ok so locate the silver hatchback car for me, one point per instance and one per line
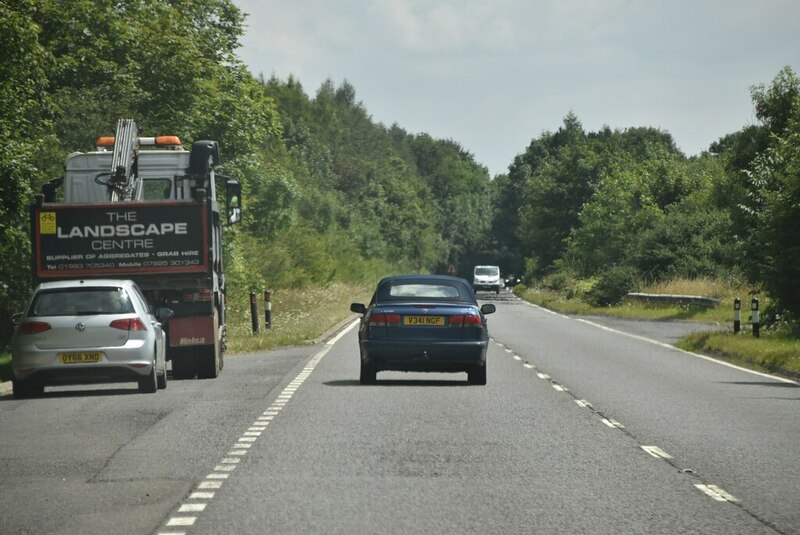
(88, 331)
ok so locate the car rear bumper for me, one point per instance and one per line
(84, 374)
(116, 365)
(449, 356)
(486, 286)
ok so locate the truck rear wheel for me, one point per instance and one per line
(183, 365)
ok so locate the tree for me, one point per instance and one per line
(25, 123)
(772, 184)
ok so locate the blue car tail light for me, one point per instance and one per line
(384, 320)
(467, 320)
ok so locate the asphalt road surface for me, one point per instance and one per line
(583, 427)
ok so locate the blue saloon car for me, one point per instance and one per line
(429, 323)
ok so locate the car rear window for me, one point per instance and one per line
(423, 290)
(487, 270)
(81, 302)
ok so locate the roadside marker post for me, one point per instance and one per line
(268, 309)
(254, 311)
(755, 317)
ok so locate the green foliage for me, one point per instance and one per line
(25, 123)
(612, 285)
(775, 244)
(690, 241)
(330, 195)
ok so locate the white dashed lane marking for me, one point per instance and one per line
(657, 452)
(713, 491)
(717, 493)
(188, 512)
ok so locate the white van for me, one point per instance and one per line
(487, 278)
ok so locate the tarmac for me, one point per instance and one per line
(5, 388)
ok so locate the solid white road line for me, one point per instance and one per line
(240, 447)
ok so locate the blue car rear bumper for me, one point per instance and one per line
(446, 356)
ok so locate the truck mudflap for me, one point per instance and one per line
(195, 347)
(192, 331)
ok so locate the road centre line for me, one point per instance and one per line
(713, 491)
(227, 465)
(657, 452)
(612, 423)
(717, 493)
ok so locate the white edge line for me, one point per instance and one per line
(343, 332)
(212, 480)
(668, 346)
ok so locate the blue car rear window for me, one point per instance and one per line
(423, 290)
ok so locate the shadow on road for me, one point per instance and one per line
(398, 382)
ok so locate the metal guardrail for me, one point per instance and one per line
(692, 300)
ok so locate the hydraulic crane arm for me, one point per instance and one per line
(124, 177)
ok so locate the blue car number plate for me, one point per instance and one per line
(424, 321)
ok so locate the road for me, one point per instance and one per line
(582, 428)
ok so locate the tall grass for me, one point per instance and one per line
(772, 352)
(299, 315)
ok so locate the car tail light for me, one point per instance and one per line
(469, 320)
(384, 320)
(128, 324)
(34, 327)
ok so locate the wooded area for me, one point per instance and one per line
(332, 195)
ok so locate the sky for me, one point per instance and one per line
(493, 75)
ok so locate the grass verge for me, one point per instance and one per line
(772, 352)
(298, 316)
(628, 309)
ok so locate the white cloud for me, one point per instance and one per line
(493, 75)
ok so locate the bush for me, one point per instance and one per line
(612, 286)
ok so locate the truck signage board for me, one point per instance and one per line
(110, 239)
